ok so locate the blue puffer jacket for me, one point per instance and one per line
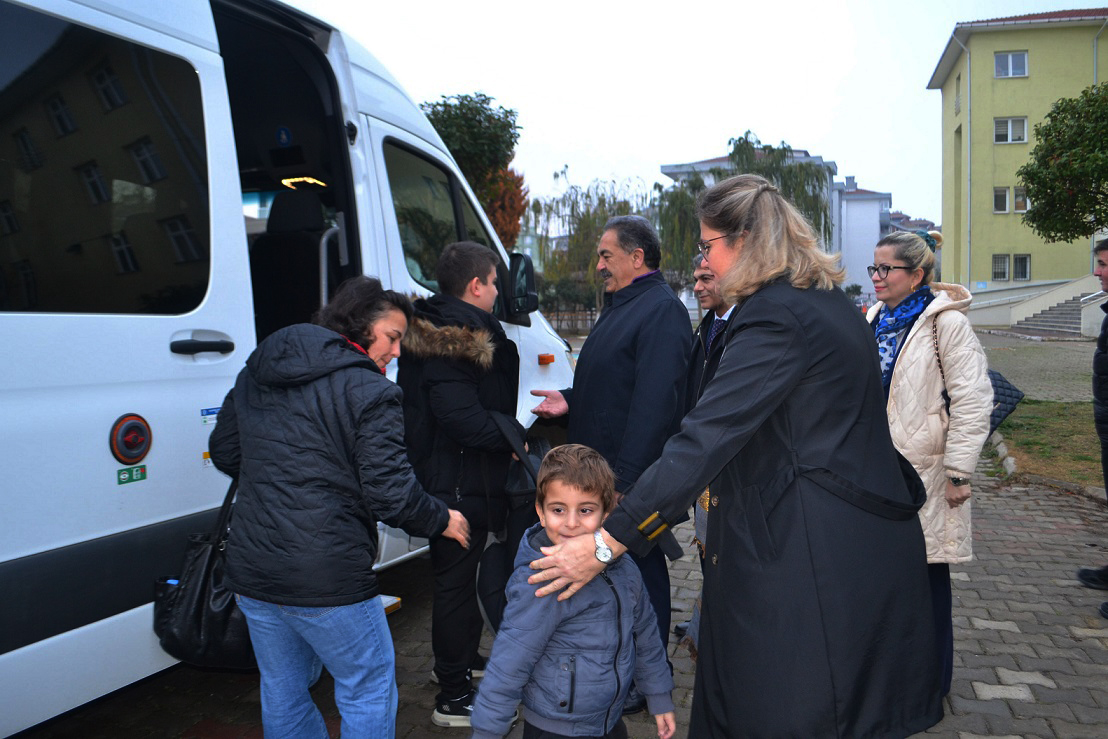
(572, 661)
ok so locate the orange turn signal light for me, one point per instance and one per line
(546, 359)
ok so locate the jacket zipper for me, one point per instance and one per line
(619, 644)
(572, 681)
(461, 471)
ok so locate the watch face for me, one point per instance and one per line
(603, 551)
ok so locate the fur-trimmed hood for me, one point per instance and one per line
(427, 340)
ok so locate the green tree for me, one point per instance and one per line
(1067, 174)
(482, 139)
(806, 184)
(674, 210)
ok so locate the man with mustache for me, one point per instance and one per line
(629, 386)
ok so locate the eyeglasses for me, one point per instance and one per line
(882, 271)
(704, 245)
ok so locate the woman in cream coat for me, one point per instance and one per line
(938, 413)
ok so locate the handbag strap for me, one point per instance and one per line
(220, 533)
(935, 341)
(512, 436)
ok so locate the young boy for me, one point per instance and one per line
(572, 662)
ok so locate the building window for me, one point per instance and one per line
(108, 87)
(1019, 200)
(60, 115)
(8, 222)
(30, 156)
(148, 161)
(1000, 200)
(95, 185)
(1009, 130)
(1010, 64)
(1000, 267)
(957, 94)
(1021, 267)
(125, 261)
(183, 238)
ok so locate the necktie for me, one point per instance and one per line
(713, 332)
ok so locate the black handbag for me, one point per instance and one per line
(196, 617)
(1006, 396)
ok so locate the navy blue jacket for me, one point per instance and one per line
(628, 389)
(315, 434)
(572, 662)
(1100, 376)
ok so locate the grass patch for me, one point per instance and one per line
(1055, 440)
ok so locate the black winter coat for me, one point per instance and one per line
(816, 617)
(628, 389)
(314, 432)
(702, 364)
(458, 370)
(1100, 377)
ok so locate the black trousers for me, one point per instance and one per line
(1101, 424)
(456, 621)
(941, 605)
(655, 576)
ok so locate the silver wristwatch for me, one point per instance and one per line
(603, 551)
(958, 481)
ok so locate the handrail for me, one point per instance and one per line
(1098, 295)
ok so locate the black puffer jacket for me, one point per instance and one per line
(458, 371)
(315, 433)
(1100, 377)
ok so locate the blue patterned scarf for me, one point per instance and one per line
(893, 324)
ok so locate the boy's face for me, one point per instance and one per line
(569, 511)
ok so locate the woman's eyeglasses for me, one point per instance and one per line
(704, 245)
(882, 271)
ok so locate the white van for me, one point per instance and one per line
(177, 180)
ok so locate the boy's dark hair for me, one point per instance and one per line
(460, 262)
(1101, 245)
(580, 466)
(358, 304)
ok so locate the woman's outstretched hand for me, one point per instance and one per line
(570, 565)
(457, 529)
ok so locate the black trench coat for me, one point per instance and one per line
(816, 611)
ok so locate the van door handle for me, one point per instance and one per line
(195, 346)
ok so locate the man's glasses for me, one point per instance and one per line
(882, 271)
(704, 245)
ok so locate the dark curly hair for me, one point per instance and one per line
(357, 305)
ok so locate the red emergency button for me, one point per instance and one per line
(130, 438)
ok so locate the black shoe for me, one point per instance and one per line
(681, 629)
(635, 703)
(454, 713)
(1091, 578)
(1104, 609)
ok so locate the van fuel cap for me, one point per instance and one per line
(130, 438)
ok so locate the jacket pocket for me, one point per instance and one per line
(566, 684)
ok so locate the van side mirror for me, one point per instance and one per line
(522, 298)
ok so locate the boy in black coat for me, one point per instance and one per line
(459, 370)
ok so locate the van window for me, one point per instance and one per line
(103, 172)
(423, 194)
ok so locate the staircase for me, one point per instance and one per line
(1061, 318)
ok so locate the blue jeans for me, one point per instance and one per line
(355, 645)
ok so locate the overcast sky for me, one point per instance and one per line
(615, 90)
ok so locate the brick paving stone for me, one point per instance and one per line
(1005, 692)
(1010, 677)
(1028, 727)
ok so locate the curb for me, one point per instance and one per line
(1031, 337)
(1008, 468)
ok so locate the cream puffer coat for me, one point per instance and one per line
(939, 444)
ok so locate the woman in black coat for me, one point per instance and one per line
(314, 432)
(816, 608)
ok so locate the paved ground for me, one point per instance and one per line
(1031, 652)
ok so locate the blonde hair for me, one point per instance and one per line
(911, 248)
(779, 241)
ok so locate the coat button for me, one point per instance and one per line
(715, 559)
(562, 704)
(715, 501)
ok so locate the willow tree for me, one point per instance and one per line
(806, 184)
(569, 227)
(674, 211)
